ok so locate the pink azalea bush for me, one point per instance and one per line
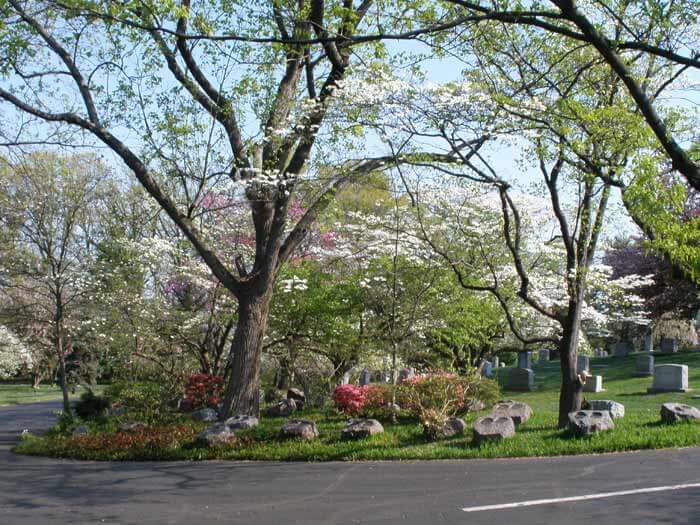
(353, 400)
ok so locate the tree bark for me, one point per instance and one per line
(570, 395)
(242, 393)
(62, 371)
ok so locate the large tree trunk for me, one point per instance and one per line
(243, 389)
(570, 396)
(63, 382)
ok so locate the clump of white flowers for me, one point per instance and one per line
(14, 355)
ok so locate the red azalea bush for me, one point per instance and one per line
(202, 391)
(354, 400)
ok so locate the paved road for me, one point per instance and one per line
(39, 491)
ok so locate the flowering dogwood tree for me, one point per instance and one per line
(14, 355)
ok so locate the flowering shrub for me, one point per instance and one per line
(445, 393)
(350, 399)
(202, 391)
(354, 400)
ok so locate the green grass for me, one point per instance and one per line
(17, 393)
(639, 429)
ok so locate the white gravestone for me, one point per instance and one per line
(495, 361)
(648, 343)
(670, 378)
(365, 377)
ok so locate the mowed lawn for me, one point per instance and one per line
(16, 393)
(641, 428)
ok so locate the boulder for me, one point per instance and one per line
(361, 428)
(587, 422)
(299, 428)
(283, 408)
(674, 412)
(492, 428)
(132, 426)
(216, 435)
(616, 409)
(241, 422)
(454, 426)
(79, 431)
(205, 414)
(518, 412)
(297, 395)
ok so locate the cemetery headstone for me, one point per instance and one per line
(622, 348)
(670, 378)
(519, 380)
(582, 363)
(645, 366)
(495, 361)
(593, 384)
(365, 377)
(524, 360)
(543, 356)
(487, 370)
(648, 343)
(669, 345)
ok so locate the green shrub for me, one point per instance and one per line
(91, 406)
(433, 398)
(144, 400)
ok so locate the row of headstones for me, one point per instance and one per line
(379, 376)
(668, 345)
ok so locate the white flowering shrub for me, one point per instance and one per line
(14, 355)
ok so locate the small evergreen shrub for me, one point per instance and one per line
(91, 406)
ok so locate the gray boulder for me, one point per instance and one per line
(216, 435)
(674, 412)
(205, 414)
(361, 428)
(299, 428)
(132, 426)
(241, 422)
(297, 395)
(283, 408)
(587, 422)
(616, 409)
(518, 412)
(492, 428)
(454, 426)
(79, 431)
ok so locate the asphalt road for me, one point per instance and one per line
(38, 490)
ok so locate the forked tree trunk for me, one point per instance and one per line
(242, 391)
(570, 396)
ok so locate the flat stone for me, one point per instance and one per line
(454, 426)
(299, 428)
(674, 412)
(582, 363)
(669, 345)
(132, 426)
(283, 408)
(616, 409)
(518, 412)
(216, 435)
(670, 378)
(241, 422)
(361, 428)
(623, 348)
(587, 422)
(205, 414)
(492, 428)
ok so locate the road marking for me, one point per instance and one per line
(580, 498)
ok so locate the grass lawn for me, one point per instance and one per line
(16, 393)
(639, 429)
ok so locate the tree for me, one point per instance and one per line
(191, 127)
(50, 204)
(14, 355)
